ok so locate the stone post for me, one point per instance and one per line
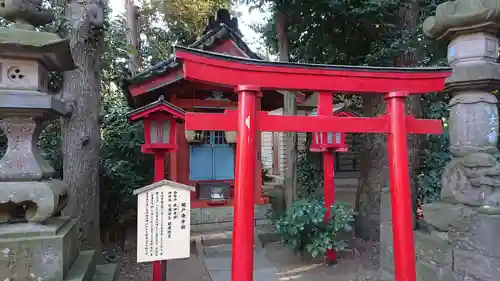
(35, 243)
(460, 240)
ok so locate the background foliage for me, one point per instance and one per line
(360, 32)
(363, 32)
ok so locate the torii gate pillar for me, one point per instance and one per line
(243, 232)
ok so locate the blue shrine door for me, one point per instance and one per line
(213, 159)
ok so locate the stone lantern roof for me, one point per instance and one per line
(21, 41)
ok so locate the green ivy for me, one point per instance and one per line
(304, 228)
(435, 153)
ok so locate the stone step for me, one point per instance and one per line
(218, 238)
(221, 250)
(219, 268)
(105, 272)
(217, 249)
(83, 268)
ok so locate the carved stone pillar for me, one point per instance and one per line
(22, 159)
(473, 176)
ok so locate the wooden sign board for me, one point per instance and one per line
(163, 221)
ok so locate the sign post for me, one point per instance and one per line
(160, 120)
(163, 221)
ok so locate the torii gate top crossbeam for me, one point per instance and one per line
(203, 66)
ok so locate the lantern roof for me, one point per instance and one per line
(162, 183)
(21, 40)
(161, 105)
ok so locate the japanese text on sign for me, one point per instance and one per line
(163, 224)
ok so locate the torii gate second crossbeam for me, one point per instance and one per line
(249, 77)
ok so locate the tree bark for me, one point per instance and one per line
(80, 132)
(373, 175)
(408, 21)
(290, 108)
(374, 168)
(132, 12)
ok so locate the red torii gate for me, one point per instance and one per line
(249, 77)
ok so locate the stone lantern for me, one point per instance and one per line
(463, 226)
(36, 243)
(26, 57)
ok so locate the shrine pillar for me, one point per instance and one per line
(243, 230)
(460, 240)
(258, 155)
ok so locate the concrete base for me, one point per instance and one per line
(216, 218)
(48, 252)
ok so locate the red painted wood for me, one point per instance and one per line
(282, 123)
(182, 155)
(325, 108)
(193, 103)
(202, 68)
(319, 141)
(161, 113)
(159, 267)
(258, 160)
(230, 48)
(244, 197)
(399, 179)
(211, 69)
(157, 113)
(329, 192)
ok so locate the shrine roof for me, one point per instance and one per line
(205, 42)
(216, 33)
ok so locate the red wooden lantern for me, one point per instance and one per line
(322, 141)
(160, 118)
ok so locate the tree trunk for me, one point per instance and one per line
(132, 12)
(80, 132)
(374, 168)
(290, 108)
(408, 21)
(373, 174)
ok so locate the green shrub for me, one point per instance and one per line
(309, 175)
(304, 229)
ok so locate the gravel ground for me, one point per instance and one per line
(360, 264)
(191, 269)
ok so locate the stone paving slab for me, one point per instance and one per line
(224, 275)
(224, 263)
(219, 268)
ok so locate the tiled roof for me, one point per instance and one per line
(208, 41)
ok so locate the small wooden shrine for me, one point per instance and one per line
(204, 159)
